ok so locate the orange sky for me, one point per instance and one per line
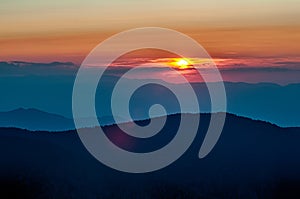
(66, 31)
(220, 43)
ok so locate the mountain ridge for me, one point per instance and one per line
(265, 101)
(26, 118)
(250, 158)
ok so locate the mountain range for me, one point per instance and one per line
(33, 119)
(53, 94)
(252, 159)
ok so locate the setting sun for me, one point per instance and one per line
(182, 64)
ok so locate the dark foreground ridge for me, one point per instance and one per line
(252, 159)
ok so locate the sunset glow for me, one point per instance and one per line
(234, 39)
(182, 64)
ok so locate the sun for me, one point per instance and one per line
(182, 64)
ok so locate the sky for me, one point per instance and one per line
(43, 43)
(251, 34)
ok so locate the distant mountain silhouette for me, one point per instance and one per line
(33, 119)
(252, 159)
(37, 120)
(53, 94)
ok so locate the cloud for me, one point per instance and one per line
(259, 69)
(277, 70)
(295, 64)
(20, 68)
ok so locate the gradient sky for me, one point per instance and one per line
(252, 32)
(250, 41)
